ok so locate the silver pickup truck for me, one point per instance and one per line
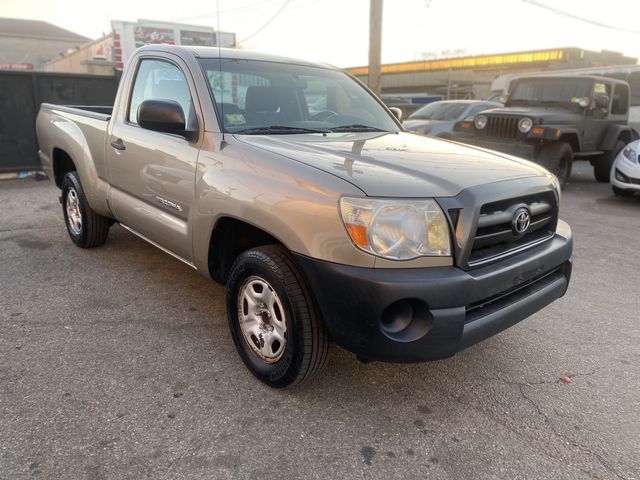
(293, 185)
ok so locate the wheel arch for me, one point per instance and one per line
(62, 163)
(571, 137)
(230, 236)
(613, 134)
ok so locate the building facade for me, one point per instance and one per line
(111, 52)
(471, 76)
(29, 44)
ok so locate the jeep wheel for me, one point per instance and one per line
(273, 321)
(86, 228)
(557, 157)
(604, 163)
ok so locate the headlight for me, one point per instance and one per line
(396, 229)
(630, 154)
(525, 124)
(480, 122)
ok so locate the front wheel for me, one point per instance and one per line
(273, 321)
(86, 228)
(557, 157)
(604, 163)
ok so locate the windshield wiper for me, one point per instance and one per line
(279, 129)
(356, 127)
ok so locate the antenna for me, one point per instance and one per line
(220, 68)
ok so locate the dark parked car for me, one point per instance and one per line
(556, 119)
(437, 119)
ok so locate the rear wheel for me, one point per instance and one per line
(86, 228)
(604, 163)
(273, 320)
(557, 157)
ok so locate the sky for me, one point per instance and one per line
(336, 31)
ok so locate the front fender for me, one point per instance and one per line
(295, 203)
(568, 131)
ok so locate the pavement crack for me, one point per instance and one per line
(522, 386)
(564, 437)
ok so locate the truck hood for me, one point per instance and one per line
(397, 164)
(549, 114)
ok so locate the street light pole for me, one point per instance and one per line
(375, 45)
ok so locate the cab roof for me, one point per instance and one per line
(570, 77)
(230, 53)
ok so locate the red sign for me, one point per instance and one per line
(16, 66)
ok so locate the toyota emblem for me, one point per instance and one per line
(521, 221)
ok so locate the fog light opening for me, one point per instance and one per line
(621, 177)
(406, 320)
(397, 316)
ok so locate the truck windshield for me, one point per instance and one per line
(261, 97)
(552, 90)
(439, 111)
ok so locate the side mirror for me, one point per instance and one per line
(600, 100)
(396, 113)
(163, 116)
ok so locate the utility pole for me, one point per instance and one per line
(375, 45)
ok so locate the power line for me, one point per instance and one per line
(581, 19)
(240, 9)
(268, 22)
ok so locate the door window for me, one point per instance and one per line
(634, 83)
(600, 90)
(620, 102)
(160, 80)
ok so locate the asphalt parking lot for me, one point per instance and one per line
(117, 363)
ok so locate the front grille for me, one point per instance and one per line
(500, 126)
(495, 237)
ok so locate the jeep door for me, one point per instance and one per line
(596, 118)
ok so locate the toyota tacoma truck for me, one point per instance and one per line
(295, 187)
(555, 119)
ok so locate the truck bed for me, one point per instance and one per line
(99, 112)
(80, 131)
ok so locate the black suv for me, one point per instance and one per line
(556, 119)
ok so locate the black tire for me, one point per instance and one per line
(93, 229)
(621, 192)
(307, 341)
(604, 163)
(557, 157)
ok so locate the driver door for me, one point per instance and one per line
(152, 173)
(596, 119)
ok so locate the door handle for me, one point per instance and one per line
(118, 144)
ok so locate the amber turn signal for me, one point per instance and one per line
(358, 234)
